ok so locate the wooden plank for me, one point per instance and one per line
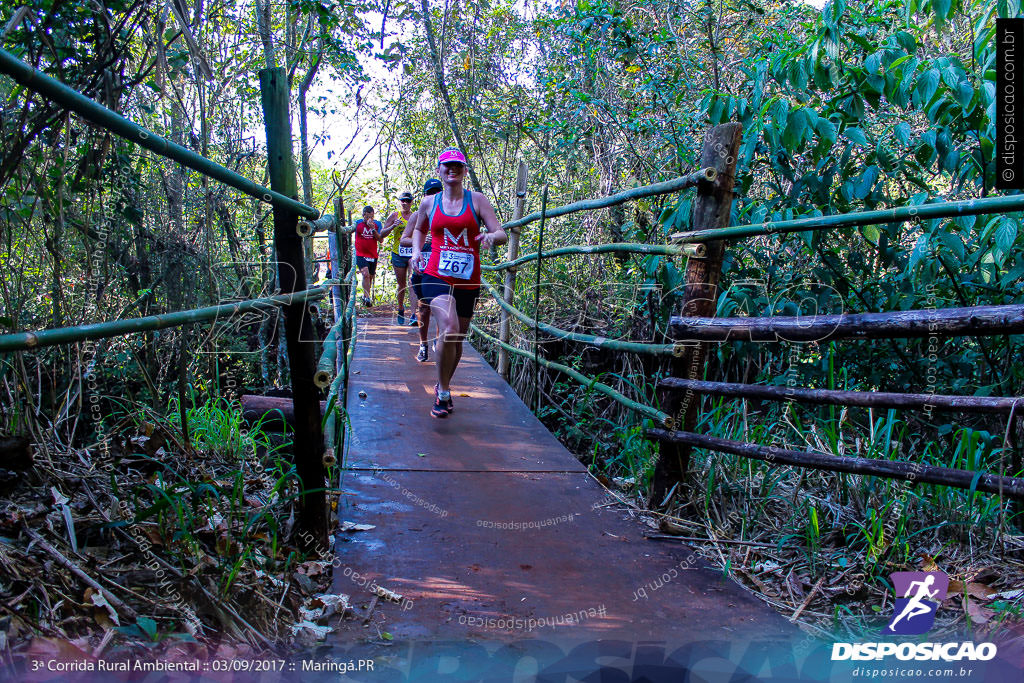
(942, 322)
(866, 399)
(1010, 487)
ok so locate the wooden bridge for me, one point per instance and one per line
(491, 530)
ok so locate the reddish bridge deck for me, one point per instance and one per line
(493, 532)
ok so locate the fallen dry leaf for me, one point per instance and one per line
(352, 526)
(308, 633)
(975, 590)
(333, 603)
(312, 567)
(99, 600)
(977, 613)
(388, 594)
(53, 649)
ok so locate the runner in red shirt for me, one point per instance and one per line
(367, 236)
(451, 278)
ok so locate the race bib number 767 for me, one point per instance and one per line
(458, 264)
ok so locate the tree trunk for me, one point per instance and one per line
(263, 25)
(435, 59)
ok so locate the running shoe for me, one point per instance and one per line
(448, 402)
(440, 409)
(413, 322)
(401, 318)
(422, 355)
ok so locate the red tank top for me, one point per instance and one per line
(366, 239)
(455, 251)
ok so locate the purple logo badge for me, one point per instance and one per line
(917, 597)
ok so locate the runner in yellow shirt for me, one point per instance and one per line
(393, 228)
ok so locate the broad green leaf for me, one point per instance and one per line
(826, 130)
(856, 135)
(147, 626)
(1006, 235)
(862, 186)
(952, 243)
(951, 75)
(919, 252)
(964, 94)
(780, 112)
(796, 127)
(873, 63)
(902, 132)
(927, 84)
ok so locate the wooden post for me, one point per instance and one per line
(711, 209)
(299, 331)
(510, 274)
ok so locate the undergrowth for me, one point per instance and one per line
(194, 536)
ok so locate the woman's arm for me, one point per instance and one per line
(495, 234)
(418, 234)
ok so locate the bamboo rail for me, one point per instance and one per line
(967, 207)
(331, 420)
(692, 250)
(326, 368)
(1011, 487)
(592, 340)
(653, 413)
(338, 393)
(20, 341)
(307, 227)
(865, 399)
(946, 322)
(674, 185)
(96, 113)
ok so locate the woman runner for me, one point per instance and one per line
(431, 187)
(394, 225)
(451, 278)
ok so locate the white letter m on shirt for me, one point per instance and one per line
(462, 238)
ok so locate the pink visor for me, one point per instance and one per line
(451, 155)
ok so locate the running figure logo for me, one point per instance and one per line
(914, 612)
